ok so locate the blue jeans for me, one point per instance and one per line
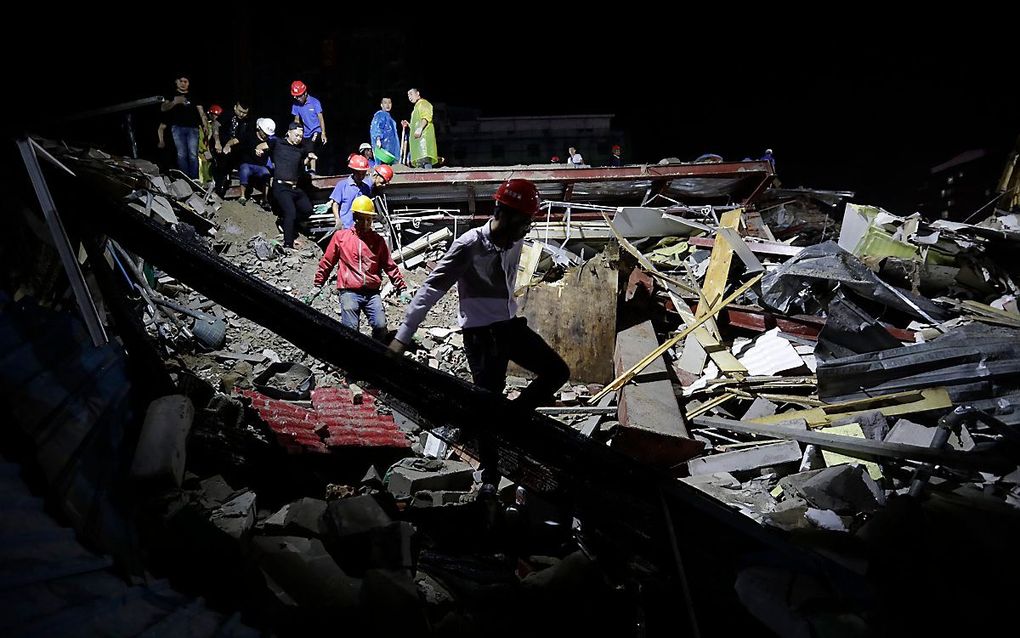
(186, 142)
(246, 171)
(352, 302)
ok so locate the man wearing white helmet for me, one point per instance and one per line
(254, 166)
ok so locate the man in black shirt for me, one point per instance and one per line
(288, 166)
(183, 113)
(232, 133)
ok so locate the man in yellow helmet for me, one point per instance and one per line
(361, 256)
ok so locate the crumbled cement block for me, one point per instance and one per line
(652, 429)
(826, 519)
(907, 432)
(235, 517)
(306, 572)
(844, 489)
(303, 517)
(214, 491)
(160, 454)
(352, 516)
(760, 407)
(747, 459)
(410, 476)
(391, 546)
(180, 189)
(437, 498)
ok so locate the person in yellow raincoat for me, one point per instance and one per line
(422, 141)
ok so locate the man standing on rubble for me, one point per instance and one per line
(307, 111)
(183, 113)
(423, 131)
(288, 166)
(345, 192)
(483, 263)
(360, 255)
(383, 130)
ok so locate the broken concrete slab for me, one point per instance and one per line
(303, 517)
(306, 572)
(652, 428)
(843, 489)
(387, 590)
(352, 516)
(438, 498)
(826, 519)
(390, 546)
(235, 517)
(760, 407)
(910, 433)
(750, 499)
(409, 476)
(160, 454)
(181, 189)
(788, 515)
(747, 459)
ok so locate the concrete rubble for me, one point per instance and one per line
(815, 364)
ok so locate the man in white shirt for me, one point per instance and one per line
(483, 263)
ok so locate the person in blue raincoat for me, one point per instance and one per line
(383, 131)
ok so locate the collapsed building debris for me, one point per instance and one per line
(766, 380)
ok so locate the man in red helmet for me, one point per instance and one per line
(381, 176)
(347, 190)
(483, 263)
(307, 111)
(614, 157)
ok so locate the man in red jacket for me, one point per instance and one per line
(361, 256)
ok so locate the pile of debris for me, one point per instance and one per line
(806, 381)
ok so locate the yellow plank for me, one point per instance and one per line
(835, 458)
(897, 404)
(719, 264)
(625, 378)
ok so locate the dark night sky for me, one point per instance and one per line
(862, 110)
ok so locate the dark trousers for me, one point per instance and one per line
(490, 349)
(294, 206)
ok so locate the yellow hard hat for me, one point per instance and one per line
(363, 205)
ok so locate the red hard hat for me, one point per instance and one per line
(357, 163)
(298, 88)
(216, 109)
(519, 194)
(384, 172)
(554, 159)
(616, 147)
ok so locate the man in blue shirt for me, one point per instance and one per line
(307, 111)
(346, 191)
(383, 130)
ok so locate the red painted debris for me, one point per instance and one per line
(333, 422)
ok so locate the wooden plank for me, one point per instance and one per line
(897, 404)
(777, 249)
(577, 317)
(710, 342)
(848, 445)
(719, 263)
(625, 378)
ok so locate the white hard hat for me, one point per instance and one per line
(365, 146)
(266, 125)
